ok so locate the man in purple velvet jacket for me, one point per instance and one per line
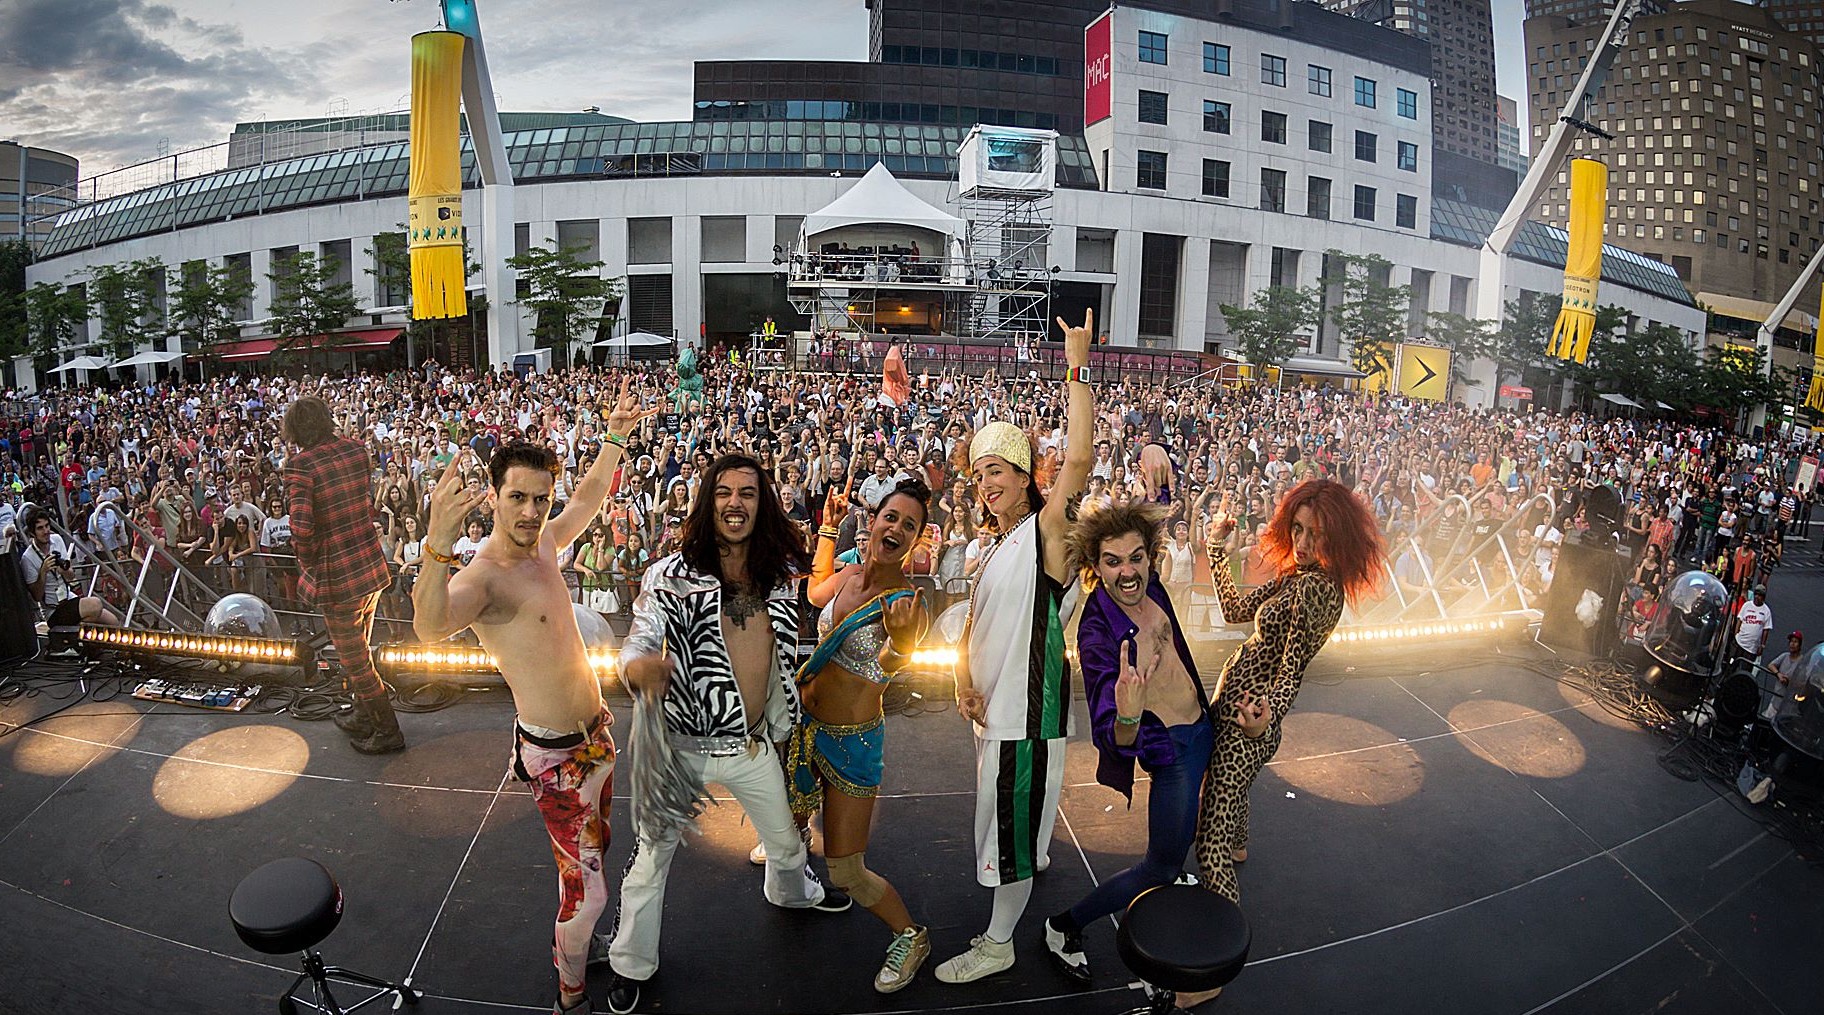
(1145, 704)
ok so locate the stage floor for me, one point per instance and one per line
(1478, 840)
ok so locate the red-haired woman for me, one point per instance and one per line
(1323, 547)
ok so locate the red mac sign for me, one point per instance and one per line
(1098, 69)
(1525, 394)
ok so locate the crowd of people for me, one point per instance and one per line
(198, 467)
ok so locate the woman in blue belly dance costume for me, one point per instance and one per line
(871, 623)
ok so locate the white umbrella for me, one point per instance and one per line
(81, 363)
(148, 359)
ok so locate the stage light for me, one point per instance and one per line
(1431, 631)
(218, 648)
(934, 659)
(456, 660)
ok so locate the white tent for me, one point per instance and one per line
(635, 340)
(148, 359)
(81, 363)
(880, 199)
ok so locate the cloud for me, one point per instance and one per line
(108, 80)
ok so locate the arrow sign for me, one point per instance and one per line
(1429, 372)
(1422, 379)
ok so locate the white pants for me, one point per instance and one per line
(758, 783)
(1017, 784)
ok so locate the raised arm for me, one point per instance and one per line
(1079, 452)
(589, 494)
(1236, 607)
(826, 577)
(442, 605)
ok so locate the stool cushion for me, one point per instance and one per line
(286, 906)
(1184, 938)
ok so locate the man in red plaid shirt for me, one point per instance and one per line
(340, 565)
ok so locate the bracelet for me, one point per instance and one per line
(830, 532)
(1078, 375)
(441, 558)
(618, 440)
(1127, 720)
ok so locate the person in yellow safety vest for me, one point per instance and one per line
(769, 330)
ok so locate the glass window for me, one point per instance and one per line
(1152, 106)
(1317, 197)
(1215, 58)
(1273, 127)
(1272, 70)
(1152, 47)
(1366, 145)
(1150, 170)
(1406, 211)
(1215, 178)
(1318, 80)
(1317, 135)
(1364, 92)
(1408, 103)
(1215, 117)
(1409, 156)
(1272, 190)
(1364, 203)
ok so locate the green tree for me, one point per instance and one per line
(391, 260)
(1267, 329)
(1526, 327)
(1730, 379)
(308, 302)
(205, 305)
(54, 313)
(1467, 339)
(15, 255)
(564, 294)
(1652, 364)
(121, 298)
(1372, 315)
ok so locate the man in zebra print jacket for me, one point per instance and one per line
(715, 638)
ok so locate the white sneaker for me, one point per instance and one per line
(908, 951)
(984, 958)
(757, 855)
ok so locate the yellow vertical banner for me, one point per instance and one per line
(1582, 261)
(1814, 399)
(434, 197)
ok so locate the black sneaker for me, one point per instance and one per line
(623, 994)
(834, 901)
(1066, 950)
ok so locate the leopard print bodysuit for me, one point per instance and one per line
(1293, 616)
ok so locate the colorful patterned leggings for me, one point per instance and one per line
(572, 781)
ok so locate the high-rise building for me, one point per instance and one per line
(1581, 11)
(1715, 164)
(35, 185)
(1462, 37)
(1805, 17)
(1508, 153)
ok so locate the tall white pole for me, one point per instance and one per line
(505, 326)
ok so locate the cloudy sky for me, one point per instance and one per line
(111, 81)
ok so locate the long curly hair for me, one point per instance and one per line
(775, 550)
(1097, 527)
(1350, 546)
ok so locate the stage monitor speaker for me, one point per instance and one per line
(1582, 606)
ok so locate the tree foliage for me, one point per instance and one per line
(205, 305)
(564, 294)
(1467, 339)
(15, 255)
(391, 258)
(54, 314)
(1372, 315)
(122, 301)
(308, 302)
(1267, 329)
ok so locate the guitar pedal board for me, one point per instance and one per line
(215, 697)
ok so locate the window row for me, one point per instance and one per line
(1155, 46)
(1218, 118)
(976, 59)
(1151, 171)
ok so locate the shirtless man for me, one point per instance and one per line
(1145, 704)
(715, 641)
(513, 596)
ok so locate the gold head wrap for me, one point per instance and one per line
(1004, 440)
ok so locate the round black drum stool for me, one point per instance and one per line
(291, 905)
(1182, 937)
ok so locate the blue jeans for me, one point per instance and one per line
(1171, 824)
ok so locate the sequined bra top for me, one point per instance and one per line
(859, 653)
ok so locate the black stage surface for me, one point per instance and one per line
(1482, 839)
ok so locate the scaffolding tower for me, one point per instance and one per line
(1006, 179)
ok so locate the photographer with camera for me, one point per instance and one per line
(45, 565)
